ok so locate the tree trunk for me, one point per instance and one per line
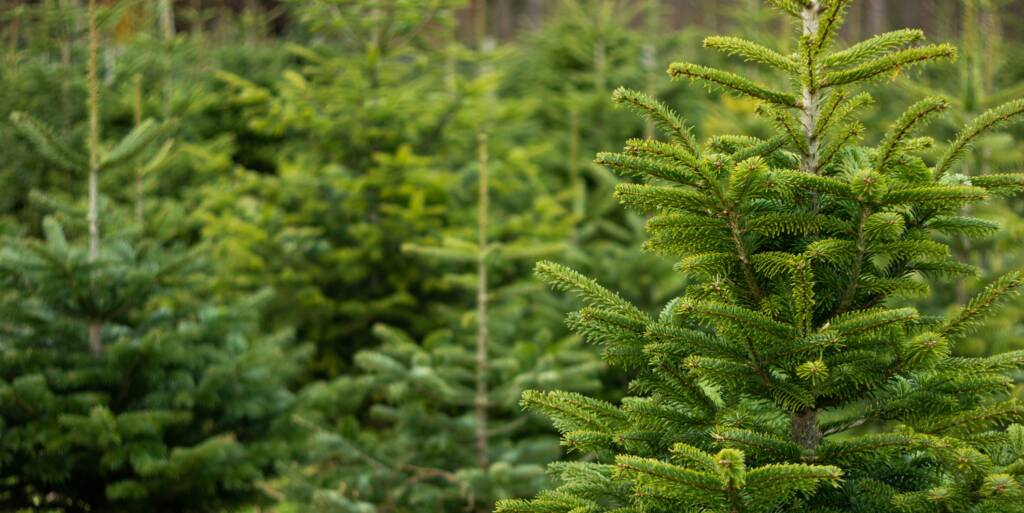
(803, 427)
(481, 402)
(876, 17)
(93, 219)
(166, 15)
(137, 115)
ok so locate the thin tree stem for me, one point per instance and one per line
(811, 98)
(481, 403)
(166, 15)
(137, 114)
(95, 327)
(804, 428)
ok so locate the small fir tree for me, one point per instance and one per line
(783, 380)
(570, 65)
(442, 431)
(120, 389)
(351, 166)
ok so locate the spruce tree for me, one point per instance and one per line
(785, 378)
(121, 389)
(433, 426)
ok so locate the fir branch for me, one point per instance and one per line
(838, 108)
(736, 316)
(850, 291)
(889, 64)
(849, 134)
(560, 277)
(791, 7)
(732, 82)
(663, 117)
(971, 315)
(754, 442)
(1000, 184)
(46, 143)
(945, 194)
(132, 144)
(909, 121)
(761, 149)
(683, 480)
(829, 24)
(873, 48)
(786, 123)
(992, 119)
(862, 322)
(652, 198)
(642, 167)
(751, 51)
(815, 183)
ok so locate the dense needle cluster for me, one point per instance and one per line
(785, 377)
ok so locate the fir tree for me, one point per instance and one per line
(442, 431)
(351, 166)
(783, 379)
(120, 388)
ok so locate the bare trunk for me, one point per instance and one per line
(803, 427)
(479, 8)
(481, 403)
(93, 218)
(504, 20)
(166, 15)
(811, 98)
(535, 12)
(876, 16)
(650, 57)
(137, 112)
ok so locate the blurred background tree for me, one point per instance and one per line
(304, 143)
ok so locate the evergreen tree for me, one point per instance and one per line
(571, 64)
(121, 389)
(352, 166)
(442, 431)
(784, 379)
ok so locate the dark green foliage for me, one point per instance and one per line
(180, 412)
(122, 386)
(433, 425)
(786, 377)
(359, 164)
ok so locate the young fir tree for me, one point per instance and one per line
(443, 431)
(783, 380)
(351, 166)
(120, 389)
(571, 65)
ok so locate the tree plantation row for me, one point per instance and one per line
(377, 256)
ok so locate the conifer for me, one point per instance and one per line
(121, 389)
(443, 431)
(785, 378)
(353, 165)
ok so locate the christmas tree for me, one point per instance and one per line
(984, 78)
(351, 165)
(433, 426)
(784, 379)
(121, 389)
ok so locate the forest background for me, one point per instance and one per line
(317, 224)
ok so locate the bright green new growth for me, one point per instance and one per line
(782, 380)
